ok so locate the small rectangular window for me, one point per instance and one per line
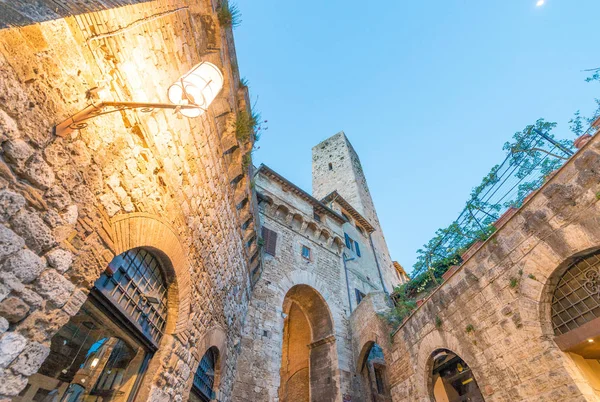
(269, 241)
(330, 166)
(317, 217)
(359, 296)
(306, 252)
(357, 248)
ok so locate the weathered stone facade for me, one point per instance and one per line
(322, 256)
(495, 310)
(128, 179)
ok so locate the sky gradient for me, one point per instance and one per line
(427, 92)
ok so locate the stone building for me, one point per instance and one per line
(322, 256)
(127, 234)
(143, 259)
(519, 320)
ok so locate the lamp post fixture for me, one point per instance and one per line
(190, 95)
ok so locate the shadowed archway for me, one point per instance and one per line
(309, 358)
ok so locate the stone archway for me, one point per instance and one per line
(149, 231)
(372, 368)
(216, 339)
(309, 359)
(451, 378)
(432, 342)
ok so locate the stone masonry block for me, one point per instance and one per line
(55, 287)
(37, 235)
(25, 265)
(13, 309)
(30, 360)
(60, 259)
(10, 242)
(11, 345)
(10, 204)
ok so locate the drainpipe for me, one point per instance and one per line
(377, 263)
(347, 281)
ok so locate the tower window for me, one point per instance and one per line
(330, 166)
(305, 252)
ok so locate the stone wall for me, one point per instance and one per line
(494, 311)
(127, 179)
(290, 215)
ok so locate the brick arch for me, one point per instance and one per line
(215, 337)
(430, 343)
(149, 231)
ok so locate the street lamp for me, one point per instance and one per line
(190, 95)
(200, 86)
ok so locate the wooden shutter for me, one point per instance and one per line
(270, 240)
(348, 244)
(357, 248)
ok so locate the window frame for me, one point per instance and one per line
(302, 248)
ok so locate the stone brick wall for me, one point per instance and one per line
(128, 179)
(495, 310)
(291, 216)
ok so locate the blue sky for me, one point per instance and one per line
(426, 91)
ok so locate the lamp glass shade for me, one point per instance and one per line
(200, 86)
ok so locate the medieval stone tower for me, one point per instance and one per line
(337, 168)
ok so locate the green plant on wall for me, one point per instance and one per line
(470, 328)
(229, 15)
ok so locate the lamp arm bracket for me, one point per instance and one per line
(79, 119)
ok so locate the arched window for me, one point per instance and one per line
(102, 352)
(576, 299)
(204, 379)
(133, 281)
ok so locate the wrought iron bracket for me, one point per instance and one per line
(79, 119)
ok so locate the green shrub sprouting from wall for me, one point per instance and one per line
(229, 15)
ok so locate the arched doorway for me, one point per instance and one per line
(309, 359)
(452, 379)
(373, 371)
(206, 377)
(575, 316)
(102, 353)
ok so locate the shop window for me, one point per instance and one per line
(102, 352)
